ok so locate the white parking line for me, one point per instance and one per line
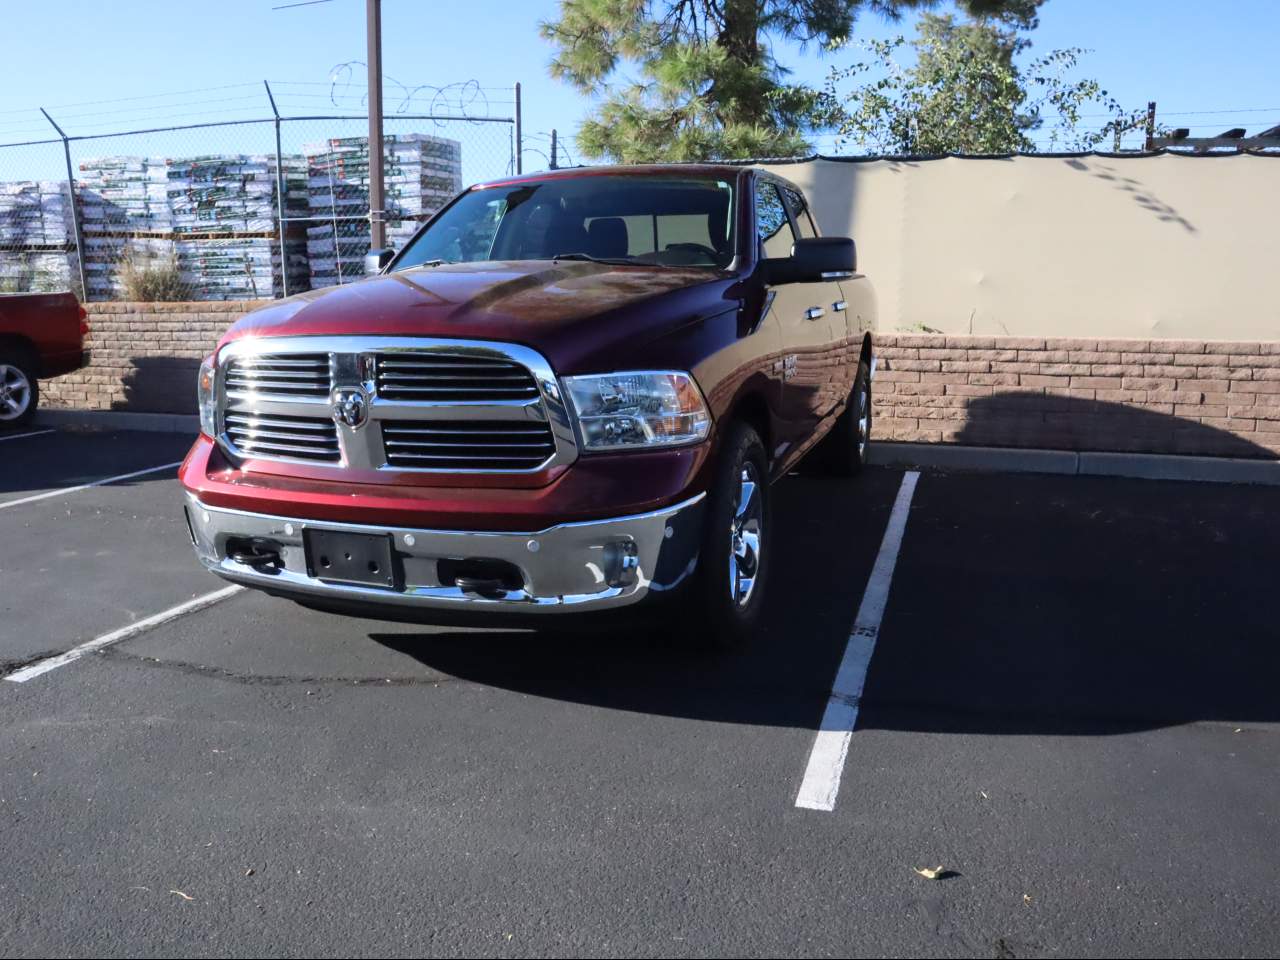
(85, 486)
(19, 436)
(821, 781)
(124, 633)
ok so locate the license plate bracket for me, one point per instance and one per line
(361, 559)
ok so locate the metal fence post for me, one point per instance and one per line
(75, 205)
(377, 198)
(519, 145)
(553, 148)
(280, 195)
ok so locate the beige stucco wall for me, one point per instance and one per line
(1150, 247)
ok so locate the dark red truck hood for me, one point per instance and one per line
(579, 315)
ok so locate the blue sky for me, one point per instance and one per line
(1188, 55)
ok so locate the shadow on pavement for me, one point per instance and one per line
(1021, 604)
(68, 458)
(783, 680)
(1079, 605)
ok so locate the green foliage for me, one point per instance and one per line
(966, 94)
(149, 278)
(708, 85)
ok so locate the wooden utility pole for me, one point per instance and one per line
(377, 214)
(1151, 125)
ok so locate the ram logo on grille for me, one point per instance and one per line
(350, 407)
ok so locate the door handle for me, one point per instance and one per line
(839, 306)
(813, 313)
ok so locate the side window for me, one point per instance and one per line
(772, 226)
(800, 210)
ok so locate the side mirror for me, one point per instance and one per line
(814, 259)
(376, 259)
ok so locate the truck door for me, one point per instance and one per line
(840, 369)
(804, 316)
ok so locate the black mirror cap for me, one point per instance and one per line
(814, 259)
(376, 259)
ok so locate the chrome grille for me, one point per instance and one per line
(297, 438)
(431, 404)
(467, 445)
(447, 377)
(292, 375)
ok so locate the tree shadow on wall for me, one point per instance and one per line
(1142, 195)
(160, 385)
(1029, 419)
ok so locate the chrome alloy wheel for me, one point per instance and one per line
(864, 417)
(745, 536)
(15, 392)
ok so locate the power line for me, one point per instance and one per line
(256, 97)
(1191, 113)
(145, 96)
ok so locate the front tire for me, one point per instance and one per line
(728, 591)
(19, 390)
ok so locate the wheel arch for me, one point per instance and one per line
(752, 408)
(16, 343)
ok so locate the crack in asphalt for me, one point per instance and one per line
(270, 680)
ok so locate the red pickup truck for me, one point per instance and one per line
(41, 336)
(569, 392)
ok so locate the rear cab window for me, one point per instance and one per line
(773, 228)
(800, 212)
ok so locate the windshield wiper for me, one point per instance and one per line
(591, 259)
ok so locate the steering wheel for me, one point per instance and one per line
(710, 252)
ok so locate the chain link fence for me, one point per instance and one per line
(227, 211)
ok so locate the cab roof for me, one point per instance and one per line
(725, 171)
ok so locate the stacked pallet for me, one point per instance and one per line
(212, 218)
(421, 174)
(37, 243)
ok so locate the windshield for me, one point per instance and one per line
(645, 220)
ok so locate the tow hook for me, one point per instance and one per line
(481, 586)
(257, 552)
(481, 577)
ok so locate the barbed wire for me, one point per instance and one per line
(458, 97)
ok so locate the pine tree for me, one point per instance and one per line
(709, 86)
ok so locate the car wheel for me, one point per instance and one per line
(19, 390)
(843, 451)
(728, 591)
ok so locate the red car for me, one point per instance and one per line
(41, 336)
(569, 392)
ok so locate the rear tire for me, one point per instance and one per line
(19, 389)
(728, 591)
(843, 451)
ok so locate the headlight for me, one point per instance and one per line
(207, 397)
(642, 409)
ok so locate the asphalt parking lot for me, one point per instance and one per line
(1071, 707)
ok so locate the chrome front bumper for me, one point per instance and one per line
(568, 567)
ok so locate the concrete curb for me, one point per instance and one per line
(1144, 466)
(118, 420)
